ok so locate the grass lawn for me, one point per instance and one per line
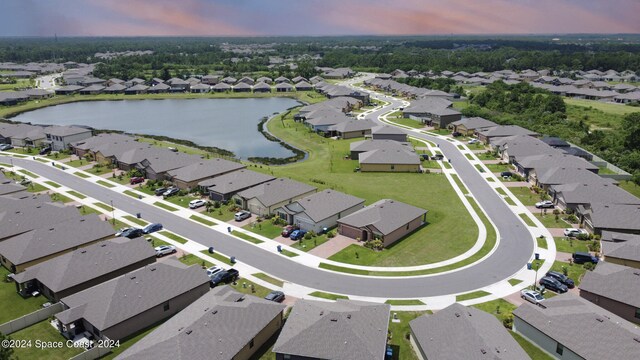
(223, 214)
(84, 210)
(264, 228)
(631, 187)
(174, 237)
(99, 170)
(15, 305)
(325, 295)
(527, 220)
(218, 257)
(597, 114)
(249, 287)
(570, 245)
(128, 342)
(122, 180)
(76, 194)
(269, 279)
(77, 163)
(542, 242)
(35, 188)
(486, 156)
(105, 183)
(525, 195)
(575, 271)
(182, 201)
(499, 167)
(550, 221)
(53, 184)
(103, 206)
(288, 253)
(398, 332)
(166, 207)
(307, 245)
(459, 183)
(407, 122)
(29, 173)
(190, 259)
(532, 350)
(202, 220)
(404, 302)
(61, 198)
(43, 331)
(132, 194)
(603, 170)
(471, 295)
(135, 220)
(514, 282)
(327, 168)
(80, 174)
(499, 308)
(244, 236)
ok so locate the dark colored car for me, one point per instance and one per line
(552, 284)
(288, 230)
(456, 134)
(437, 157)
(170, 192)
(160, 191)
(224, 277)
(136, 180)
(276, 296)
(297, 234)
(132, 233)
(506, 174)
(45, 151)
(582, 257)
(562, 278)
(152, 228)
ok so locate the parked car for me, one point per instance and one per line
(122, 230)
(288, 230)
(276, 296)
(582, 257)
(152, 228)
(24, 182)
(5, 147)
(160, 191)
(132, 233)
(571, 232)
(163, 250)
(437, 157)
(136, 180)
(546, 204)
(170, 192)
(297, 234)
(531, 296)
(45, 151)
(506, 174)
(213, 270)
(241, 215)
(473, 141)
(552, 284)
(424, 157)
(194, 204)
(224, 277)
(456, 134)
(562, 278)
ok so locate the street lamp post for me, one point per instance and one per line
(536, 266)
(113, 213)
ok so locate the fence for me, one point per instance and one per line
(92, 353)
(30, 319)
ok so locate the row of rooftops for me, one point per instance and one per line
(37, 132)
(528, 74)
(406, 90)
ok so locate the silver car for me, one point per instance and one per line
(163, 250)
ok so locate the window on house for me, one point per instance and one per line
(287, 357)
(393, 167)
(559, 349)
(166, 306)
(407, 227)
(251, 344)
(638, 313)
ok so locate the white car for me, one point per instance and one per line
(194, 204)
(531, 296)
(473, 141)
(571, 232)
(546, 204)
(213, 270)
(163, 250)
(241, 215)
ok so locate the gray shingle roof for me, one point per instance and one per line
(45, 241)
(612, 216)
(473, 123)
(620, 245)
(544, 161)
(593, 193)
(561, 175)
(235, 181)
(87, 263)
(324, 204)
(126, 296)
(612, 281)
(352, 125)
(205, 169)
(216, 326)
(387, 130)
(506, 130)
(21, 215)
(385, 215)
(523, 145)
(368, 145)
(275, 191)
(341, 330)
(65, 130)
(384, 156)
(459, 332)
(8, 186)
(427, 105)
(586, 329)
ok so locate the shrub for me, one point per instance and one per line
(374, 244)
(331, 234)
(508, 321)
(572, 219)
(308, 236)
(582, 237)
(589, 266)
(216, 204)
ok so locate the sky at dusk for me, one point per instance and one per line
(314, 17)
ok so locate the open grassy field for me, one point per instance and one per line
(597, 114)
(326, 167)
(630, 187)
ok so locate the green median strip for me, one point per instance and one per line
(103, 206)
(76, 194)
(471, 295)
(133, 194)
(288, 253)
(51, 183)
(19, 156)
(164, 206)
(29, 173)
(244, 236)
(82, 175)
(105, 183)
(269, 279)
(201, 220)
(42, 160)
(135, 220)
(542, 242)
(527, 220)
(514, 282)
(404, 302)
(329, 296)
(469, 156)
(61, 198)
(460, 184)
(174, 237)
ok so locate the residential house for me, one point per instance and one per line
(358, 147)
(511, 148)
(460, 332)
(441, 118)
(178, 85)
(579, 196)
(223, 187)
(92, 90)
(200, 88)
(265, 198)
(282, 79)
(387, 220)
(340, 330)
(85, 267)
(420, 109)
(136, 89)
(23, 135)
(531, 166)
(469, 126)
(261, 87)
(320, 210)
(386, 132)
(229, 80)
(385, 160)
(61, 137)
(242, 87)
(102, 142)
(43, 243)
(247, 80)
(298, 79)
(221, 87)
(158, 162)
(621, 249)
(303, 86)
(264, 79)
(488, 135)
(21, 214)
(321, 120)
(210, 79)
(339, 73)
(223, 324)
(284, 87)
(612, 217)
(351, 129)
(569, 327)
(548, 177)
(8, 186)
(189, 176)
(615, 288)
(129, 303)
(115, 89)
(159, 89)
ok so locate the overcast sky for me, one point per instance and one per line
(315, 17)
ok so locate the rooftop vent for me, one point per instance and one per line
(483, 351)
(457, 314)
(83, 251)
(349, 316)
(334, 319)
(636, 339)
(154, 269)
(600, 319)
(132, 278)
(189, 332)
(182, 328)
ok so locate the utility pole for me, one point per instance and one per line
(113, 214)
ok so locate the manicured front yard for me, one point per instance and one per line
(499, 167)
(575, 271)
(265, 228)
(182, 201)
(499, 308)
(310, 244)
(525, 195)
(569, 245)
(190, 259)
(549, 220)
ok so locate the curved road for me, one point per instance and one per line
(515, 249)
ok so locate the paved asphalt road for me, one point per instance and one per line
(515, 248)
